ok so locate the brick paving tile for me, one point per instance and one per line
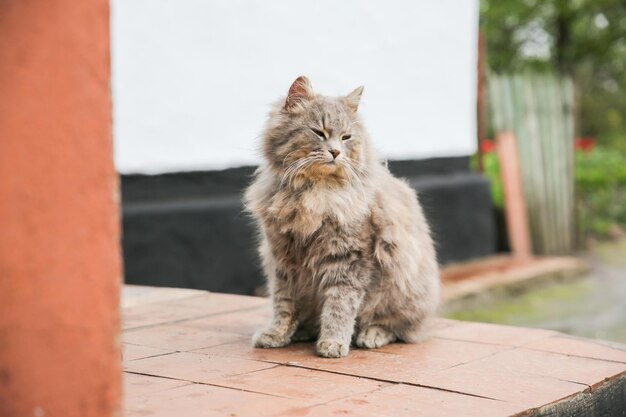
(193, 366)
(135, 295)
(409, 401)
(399, 361)
(212, 303)
(584, 348)
(179, 337)
(199, 400)
(189, 308)
(155, 313)
(240, 322)
(491, 333)
(138, 385)
(132, 352)
(500, 384)
(465, 369)
(310, 386)
(438, 323)
(554, 365)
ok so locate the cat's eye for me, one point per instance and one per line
(319, 133)
(346, 137)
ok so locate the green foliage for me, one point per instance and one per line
(491, 166)
(585, 39)
(600, 168)
(616, 141)
(601, 191)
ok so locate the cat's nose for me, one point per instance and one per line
(334, 152)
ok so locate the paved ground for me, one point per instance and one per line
(188, 353)
(593, 305)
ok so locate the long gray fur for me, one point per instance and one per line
(345, 246)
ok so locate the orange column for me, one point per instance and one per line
(60, 265)
(514, 201)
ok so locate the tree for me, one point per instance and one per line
(585, 39)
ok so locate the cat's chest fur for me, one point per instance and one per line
(304, 213)
(309, 229)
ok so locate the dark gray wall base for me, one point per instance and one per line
(188, 230)
(459, 210)
(199, 244)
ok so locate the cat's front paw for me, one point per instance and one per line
(270, 338)
(373, 337)
(332, 348)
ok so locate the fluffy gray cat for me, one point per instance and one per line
(345, 247)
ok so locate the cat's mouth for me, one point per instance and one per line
(315, 169)
(339, 160)
(330, 169)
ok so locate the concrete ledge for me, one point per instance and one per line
(190, 355)
(497, 272)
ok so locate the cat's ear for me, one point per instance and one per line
(299, 92)
(354, 98)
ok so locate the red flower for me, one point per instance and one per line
(584, 144)
(487, 146)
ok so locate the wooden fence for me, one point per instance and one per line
(538, 109)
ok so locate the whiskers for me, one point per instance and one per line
(357, 173)
(354, 168)
(354, 172)
(297, 167)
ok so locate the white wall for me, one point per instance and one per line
(193, 79)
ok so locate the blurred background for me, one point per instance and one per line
(508, 118)
(584, 42)
(446, 83)
(192, 85)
